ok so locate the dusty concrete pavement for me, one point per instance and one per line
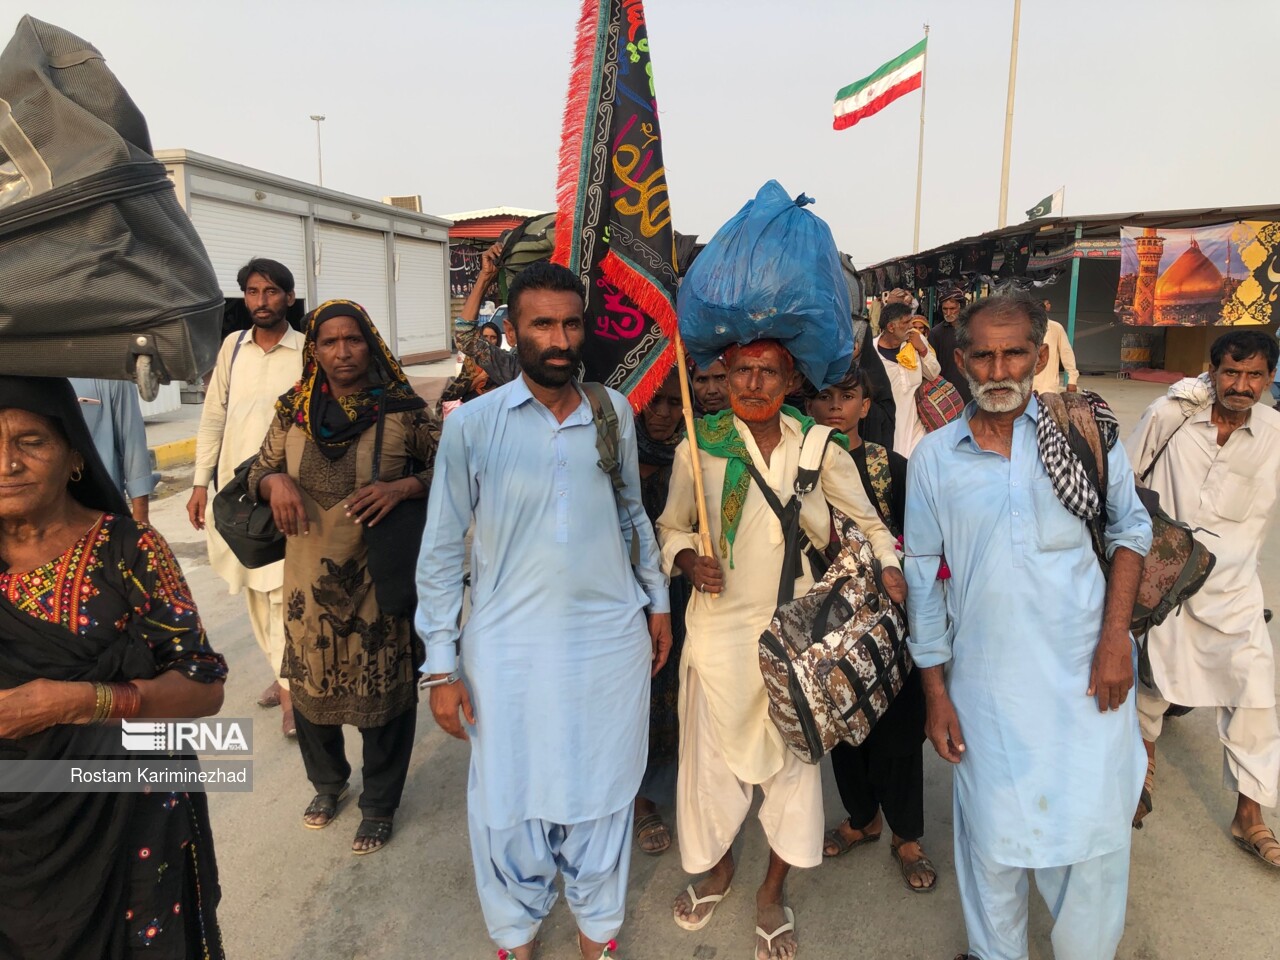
(295, 894)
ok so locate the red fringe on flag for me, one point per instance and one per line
(575, 115)
(645, 296)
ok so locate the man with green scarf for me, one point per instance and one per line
(728, 744)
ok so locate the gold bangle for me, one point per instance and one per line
(100, 694)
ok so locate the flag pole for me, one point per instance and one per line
(924, 75)
(686, 400)
(1008, 117)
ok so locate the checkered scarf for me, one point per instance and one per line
(1070, 481)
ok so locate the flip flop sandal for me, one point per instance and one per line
(1258, 840)
(917, 868)
(379, 830)
(835, 838)
(768, 938)
(270, 697)
(1145, 803)
(606, 954)
(648, 827)
(288, 726)
(326, 804)
(696, 901)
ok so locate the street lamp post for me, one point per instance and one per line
(317, 117)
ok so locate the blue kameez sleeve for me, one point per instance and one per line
(631, 515)
(931, 632)
(1128, 523)
(440, 559)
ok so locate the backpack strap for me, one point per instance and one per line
(226, 399)
(1074, 416)
(881, 478)
(608, 445)
(812, 451)
(1146, 474)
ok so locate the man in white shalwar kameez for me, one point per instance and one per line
(728, 744)
(254, 367)
(1216, 455)
(1017, 645)
(557, 652)
(909, 361)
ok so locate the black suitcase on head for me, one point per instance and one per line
(101, 272)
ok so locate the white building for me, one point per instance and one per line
(392, 261)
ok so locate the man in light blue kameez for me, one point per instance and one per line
(1025, 654)
(556, 654)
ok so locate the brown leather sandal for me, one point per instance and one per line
(652, 835)
(1261, 842)
(841, 844)
(1145, 804)
(920, 867)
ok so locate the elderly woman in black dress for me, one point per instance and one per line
(96, 624)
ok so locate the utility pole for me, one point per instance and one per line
(1008, 117)
(318, 117)
(924, 73)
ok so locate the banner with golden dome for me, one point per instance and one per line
(1225, 274)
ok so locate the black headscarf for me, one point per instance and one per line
(335, 423)
(63, 863)
(53, 397)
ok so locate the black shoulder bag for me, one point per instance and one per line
(246, 525)
(393, 543)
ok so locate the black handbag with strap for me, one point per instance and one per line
(247, 525)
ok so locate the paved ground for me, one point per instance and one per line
(296, 894)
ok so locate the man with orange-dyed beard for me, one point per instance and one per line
(728, 744)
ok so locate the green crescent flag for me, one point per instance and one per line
(1041, 209)
(1049, 206)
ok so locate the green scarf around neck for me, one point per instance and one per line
(718, 436)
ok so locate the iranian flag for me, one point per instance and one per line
(872, 94)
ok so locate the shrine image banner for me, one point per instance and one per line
(1224, 274)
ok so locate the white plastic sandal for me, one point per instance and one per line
(768, 938)
(696, 901)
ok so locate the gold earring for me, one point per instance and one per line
(77, 475)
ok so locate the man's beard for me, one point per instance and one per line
(537, 369)
(1020, 390)
(755, 412)
(269, 321)
(1243, 401)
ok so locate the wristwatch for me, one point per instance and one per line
(425, 683)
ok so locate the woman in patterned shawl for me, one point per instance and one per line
(96, 623)
(348, 660)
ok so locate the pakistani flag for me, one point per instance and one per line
(1049, 206)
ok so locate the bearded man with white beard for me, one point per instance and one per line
(1025, 654)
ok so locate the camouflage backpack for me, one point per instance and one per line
(834, 659)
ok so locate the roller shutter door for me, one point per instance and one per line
(421, 308)
(352, 265)
(233, 234)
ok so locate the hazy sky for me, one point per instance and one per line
(1132, 104)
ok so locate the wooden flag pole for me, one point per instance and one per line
(686, 398)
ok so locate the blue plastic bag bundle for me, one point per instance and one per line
(771, 273)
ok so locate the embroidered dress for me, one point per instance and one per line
(346, 661)
(118, 586)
